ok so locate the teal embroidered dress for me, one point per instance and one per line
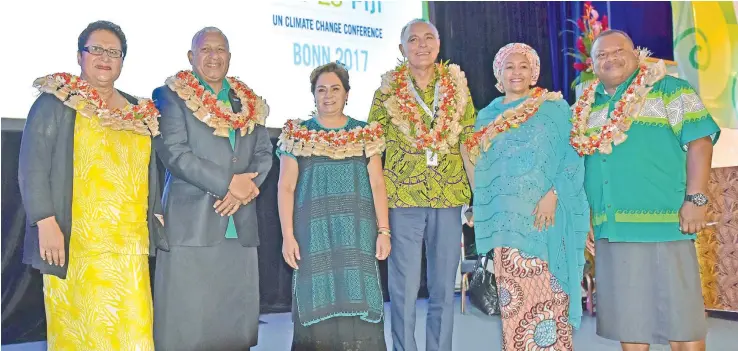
(336, 230)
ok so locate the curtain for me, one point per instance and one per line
(23, 315)
(648, 23)
(471, 33)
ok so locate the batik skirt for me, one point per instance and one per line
(534, 308)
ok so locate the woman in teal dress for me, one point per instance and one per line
(335, 224)
(529, 205)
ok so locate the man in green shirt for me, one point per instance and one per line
(648, 140)
(426, 112)
(217, 153)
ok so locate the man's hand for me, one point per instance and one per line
(692, 218)
(228, 206)
(253, 196)
(243, 187)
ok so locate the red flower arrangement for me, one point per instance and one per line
(590, 25)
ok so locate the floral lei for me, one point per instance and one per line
(300, 141)
(206, 107)
(79, 95)
(405, 111)
(587, 142)
(481, 140)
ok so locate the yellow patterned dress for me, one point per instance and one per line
(105, 302)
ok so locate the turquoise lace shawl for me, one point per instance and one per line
(520, 166)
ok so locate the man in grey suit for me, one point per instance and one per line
(217, 153)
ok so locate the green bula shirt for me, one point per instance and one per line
(635, 192)
(409, 181)
(223, 97)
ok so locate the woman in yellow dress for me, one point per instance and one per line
(89, 185)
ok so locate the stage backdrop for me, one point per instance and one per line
(706, 48)
(275, 45)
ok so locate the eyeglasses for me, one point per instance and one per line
(97, 51)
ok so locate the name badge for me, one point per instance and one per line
(431, 158)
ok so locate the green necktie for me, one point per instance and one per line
(231, 229)
(223, 96)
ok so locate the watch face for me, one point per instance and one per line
(699, 199)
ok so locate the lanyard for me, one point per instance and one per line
(422, 103)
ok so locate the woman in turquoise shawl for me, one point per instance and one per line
(529, 205)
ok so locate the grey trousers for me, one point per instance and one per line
(441, 231)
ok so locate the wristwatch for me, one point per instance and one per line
(699, 199)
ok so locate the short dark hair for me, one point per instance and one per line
(611, 32)
(102, 25)
(331, 67)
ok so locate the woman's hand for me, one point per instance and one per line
(383, 247)
(545, 211)
(51, 241)
(291, 251)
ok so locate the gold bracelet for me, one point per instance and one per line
(384, 232)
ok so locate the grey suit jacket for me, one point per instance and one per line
(200, 167)
(46, 174)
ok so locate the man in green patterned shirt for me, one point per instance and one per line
(647, 196)
(426, 112)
